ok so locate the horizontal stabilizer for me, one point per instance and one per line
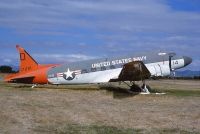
(23, 79)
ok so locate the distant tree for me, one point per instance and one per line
(6, 69)
(197, 77)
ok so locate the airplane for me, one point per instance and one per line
(132, 67)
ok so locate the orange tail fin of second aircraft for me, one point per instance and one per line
(27, 63)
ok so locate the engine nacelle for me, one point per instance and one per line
(159, 70)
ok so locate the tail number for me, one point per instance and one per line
(26, 68)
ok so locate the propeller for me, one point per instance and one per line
(173, 73)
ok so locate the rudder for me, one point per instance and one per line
(27, 63)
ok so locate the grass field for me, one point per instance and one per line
(100, 109)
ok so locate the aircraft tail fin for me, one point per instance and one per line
(27, 63)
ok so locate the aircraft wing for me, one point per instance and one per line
(133, 71)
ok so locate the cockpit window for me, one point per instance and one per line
(93, 69)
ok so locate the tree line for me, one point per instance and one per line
(6, 69)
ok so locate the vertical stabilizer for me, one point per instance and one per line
(27, 63)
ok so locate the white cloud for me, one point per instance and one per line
(121, 25)
(61, 58)
(114, 15)
(8, 61)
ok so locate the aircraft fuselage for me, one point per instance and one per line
(105, 69)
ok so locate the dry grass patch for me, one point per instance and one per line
(90, 109)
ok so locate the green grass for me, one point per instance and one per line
(178, 92)
(184, 93)
(93, 129)
(97, 129)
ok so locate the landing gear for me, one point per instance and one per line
(34, 85)
(144, 89)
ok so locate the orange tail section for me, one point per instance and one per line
(29, 71)
(27, 63)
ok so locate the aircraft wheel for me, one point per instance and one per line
(148, 87)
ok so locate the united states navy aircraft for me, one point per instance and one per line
(133, 67)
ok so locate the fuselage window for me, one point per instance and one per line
(84, 71)
(103, 68)
(93, 69)
(112, 67)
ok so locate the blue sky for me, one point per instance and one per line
(57, 31)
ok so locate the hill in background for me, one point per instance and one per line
(187, 73)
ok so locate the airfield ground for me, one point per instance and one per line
(105, 109)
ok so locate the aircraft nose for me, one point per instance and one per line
(187, 60)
